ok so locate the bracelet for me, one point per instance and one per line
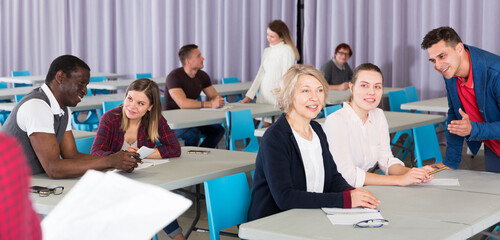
(201, 104)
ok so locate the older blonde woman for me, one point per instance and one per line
(294, 167)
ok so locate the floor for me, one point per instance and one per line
(468, 162)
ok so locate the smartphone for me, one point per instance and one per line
(37, 189)
(199, 151)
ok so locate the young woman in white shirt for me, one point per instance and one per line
(358, 136)
(276, 60)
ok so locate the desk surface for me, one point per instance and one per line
(430, 105)
(338, 96)
(9, 93)
(415, 212)
(185, 118)
(77, 134)
(187, 170)
(397, 121)
(231, 88)
(120, 84)
(38, 79)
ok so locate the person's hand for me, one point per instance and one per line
(363, 198)
(344, 86)
(461, 127)
(218, 102)
(132, 148)
(439, 165)
(414, 175)
(245, 100)
(124, 161)
(428, 169)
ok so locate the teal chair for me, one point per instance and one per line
(411, 92)
(91, 122)
(20, 74)
(426, 144)
(240, 127)
(108, 105)
(230, 80)
(143, 75)
(331, 109)
(396, 98)
(4, 114)
(91, 92)
(84, 145)
(19, 97)
(228, 199)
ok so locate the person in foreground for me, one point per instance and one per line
(276, 59)
(337, 71)
(138, 122)
(294, 167)
(18, 220)
(182, 89)
(41, 123)
(358, 135)
(472, 78)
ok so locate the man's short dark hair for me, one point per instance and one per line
(185, 51)
(442, 33)
(65, 63)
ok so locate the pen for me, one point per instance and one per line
(438, 170)
(138, 159)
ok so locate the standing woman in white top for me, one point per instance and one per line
(276, 60)
(358, 136)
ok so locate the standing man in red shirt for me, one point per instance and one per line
(472, 78)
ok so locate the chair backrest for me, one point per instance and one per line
(411, 93)
(143, 75)
(229, 80)
(426, 144)
(3, 85)
(19, 97)
(331, 109)
(240, 126)
(228, 200)
(96, 79)
(84, 145)
(108, 105)
(396, 98)
(20, 73)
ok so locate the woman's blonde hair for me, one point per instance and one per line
(285, 93)
(151, 119)
(280, 28)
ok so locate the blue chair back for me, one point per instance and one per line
(228, 200)
(229, 80)
(108, 105)
(20, 74)
(84, 145)
(331, 109)
(19, 97)
(3, 85)
(411, 93)
(396, 98)
(240, 127)
(426, 144)
(91, 92)
(143, 75)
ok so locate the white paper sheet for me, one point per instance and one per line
(350, 219)
(217, 109)
(111, 206)
(441, 182)
(144, 152)
(349, 210)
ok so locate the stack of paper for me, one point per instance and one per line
(344, 216)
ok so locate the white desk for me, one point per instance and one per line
(415, 212)
(231, 88)
(338, 96)
(120, 84)
(430, 105)
(10, 93)
(38, 79)
(397, 121)
(77, 134)
(187, 170)
(87, 103)
(186, 118)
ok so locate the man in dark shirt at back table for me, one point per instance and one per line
(182, 91)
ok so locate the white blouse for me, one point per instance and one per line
(312, 158)
(355, 146)
(276, 60)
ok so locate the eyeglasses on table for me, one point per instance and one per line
(371, 223)
(46, 191)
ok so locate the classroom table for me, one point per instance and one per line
(339, 96)
(186, 118)
(121, 84)
(397, 121)
(184, 171)
(77, 134)
(231, 88)
(414, 212)
(39, 79)
(10, 93)
(429, 105)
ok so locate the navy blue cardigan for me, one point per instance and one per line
(280, 182)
